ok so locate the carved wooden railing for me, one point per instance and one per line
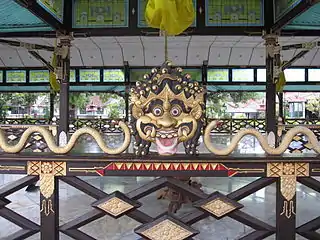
(171, 172)
(225, 127)
(282, 171)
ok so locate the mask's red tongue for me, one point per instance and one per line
(167, 141)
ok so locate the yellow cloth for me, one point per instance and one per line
(171, 16)
(281, 82)
(55, 86)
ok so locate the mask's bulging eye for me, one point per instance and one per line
(157, 111)
(175, 111)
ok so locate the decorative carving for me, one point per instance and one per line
(46, 207)
(167, 109)
(47, 171)
(288, 173)
(115, 206)
(49, 139)
(167, 230)
(218, 207)
(287, 139)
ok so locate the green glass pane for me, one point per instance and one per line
(137, 74)
(141, 12)
(100, 13)
(295, 75)
(314, 75)
(39, 76)
(1, 76)
(15, 18)
(215, 75)
(281, 7)
(242, 75)
(72, 77)
(261, 75)
(113, 75)
(54, 7)
(308, 20)
(89, 75)
(16, 76)
(196, 74)
(234, 12)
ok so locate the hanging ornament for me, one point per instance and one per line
(170, 16)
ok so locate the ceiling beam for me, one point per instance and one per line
(42, 14)
(300, 8)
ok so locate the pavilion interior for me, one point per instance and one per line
(216, 47)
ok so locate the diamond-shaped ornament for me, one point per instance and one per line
(37, 137)
(218, 205)
(166, 228)
(12, 137)
(116, 204)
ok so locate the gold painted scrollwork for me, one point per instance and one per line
(49, 139)
(47, 171)
(288, 173)
(287, 139)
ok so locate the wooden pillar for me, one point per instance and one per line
(64, 65)
(51, 106)
(49, 210)
(271, 118)
(285, 211)
(127, 84)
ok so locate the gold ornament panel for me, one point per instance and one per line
(167, 230)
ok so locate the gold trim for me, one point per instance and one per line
(85, 170)
(248, 170)
(288, 209)
(46, 207)
(49, 139)
(12, 168)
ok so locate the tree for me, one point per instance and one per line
(216, 102)
(79, 100)
(313, 105)
(4, 98)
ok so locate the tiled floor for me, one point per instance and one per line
(73, 204)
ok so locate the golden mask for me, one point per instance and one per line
(167, 108)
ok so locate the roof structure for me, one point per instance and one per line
(110, 33)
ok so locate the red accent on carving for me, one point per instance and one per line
(221, 167)
(100, 172)
(110, 167)
(232, 173)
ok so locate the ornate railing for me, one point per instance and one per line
(211, 205)
(172, 180)
(226, 127)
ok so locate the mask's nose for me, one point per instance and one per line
(167, 121)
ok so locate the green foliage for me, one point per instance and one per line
(313, 105)
(79, 100)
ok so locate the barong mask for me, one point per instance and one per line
(167, 108)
